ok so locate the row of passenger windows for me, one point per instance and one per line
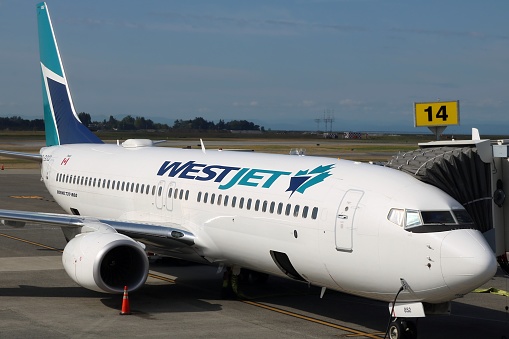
(124, 186)
(257, 205)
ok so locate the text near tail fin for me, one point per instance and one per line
(61, 121)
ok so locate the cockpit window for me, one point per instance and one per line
(397, 216)
(430, 221)
(437, 217)
(412, 219)
(463, 217)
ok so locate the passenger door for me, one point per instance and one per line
(344, 220)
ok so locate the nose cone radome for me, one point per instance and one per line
(467, 261)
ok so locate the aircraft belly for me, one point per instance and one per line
(248, 242)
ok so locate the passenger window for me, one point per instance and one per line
(142, 188)
(272, 206)
(305, 212)
(212, 198)
(187, 195)
(123, 185)
(180, 194)
(137, 187)
(198, 198)
(154, 190)
(219, 199)
(160, 191)
(205, 197)
(264, 206)
(280, 208)
(234, 201)
(296, 211)
(147, 189)
(226, 197)
(132, 186)
(108, 186)
(248, 205)
(241, 203)
(314, 213)
(170, 191)
(86, 181)
(175, 193)
(99, 183)
(257, 205)
(118, 185)
(288, 209)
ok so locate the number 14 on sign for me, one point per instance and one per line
(436, 114)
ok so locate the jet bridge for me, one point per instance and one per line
(474, 172)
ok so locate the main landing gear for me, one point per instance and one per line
(401, 328)
(235, 277)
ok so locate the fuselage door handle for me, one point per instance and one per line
(342, 216)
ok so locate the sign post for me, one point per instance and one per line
(436, 115)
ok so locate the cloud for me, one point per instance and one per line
(449, 33)
(307, 103)
(252, 103)
(350, 102)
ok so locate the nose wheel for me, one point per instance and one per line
(401, 328)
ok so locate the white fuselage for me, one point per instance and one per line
(328, 217)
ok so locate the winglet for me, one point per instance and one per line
(61, 122)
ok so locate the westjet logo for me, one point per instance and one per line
(228, 176)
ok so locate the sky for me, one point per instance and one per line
(280, 64)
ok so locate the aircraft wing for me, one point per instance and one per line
(170, 235)
(20, 155)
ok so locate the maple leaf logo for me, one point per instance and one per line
(304, 179)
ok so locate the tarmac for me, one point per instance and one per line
(183, 300)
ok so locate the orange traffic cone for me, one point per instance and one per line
(126, 310)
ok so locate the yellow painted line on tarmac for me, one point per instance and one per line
(26, 197)
(353, 332)
(31, 242)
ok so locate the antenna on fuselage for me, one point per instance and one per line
(202, 147)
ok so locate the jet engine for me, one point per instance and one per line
(106, 262)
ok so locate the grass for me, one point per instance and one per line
(378, 147)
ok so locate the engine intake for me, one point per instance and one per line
(106, 262)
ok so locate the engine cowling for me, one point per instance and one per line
(106, 262)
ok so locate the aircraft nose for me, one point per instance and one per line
(467, 261)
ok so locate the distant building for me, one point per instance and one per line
(330, 136)
(353, 135)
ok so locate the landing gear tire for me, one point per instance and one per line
(402, 329)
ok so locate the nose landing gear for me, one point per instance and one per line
(401, 328)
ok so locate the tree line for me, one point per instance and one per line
(129, 122)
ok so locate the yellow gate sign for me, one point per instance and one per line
(442, 113)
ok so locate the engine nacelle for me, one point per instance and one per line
(106, 262)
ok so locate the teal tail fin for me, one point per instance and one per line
(60, 119)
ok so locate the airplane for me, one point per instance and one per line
(352, 227)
